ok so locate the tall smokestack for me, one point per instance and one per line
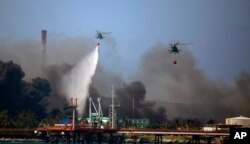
(43, 47)
(43, 40)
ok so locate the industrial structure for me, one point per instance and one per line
(141, 123)
(103, 129)
(95, 119)
(113, 112)
(43, 47)
(240, 121)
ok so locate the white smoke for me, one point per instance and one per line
(76, 82)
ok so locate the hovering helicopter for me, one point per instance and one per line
(99, 35)
(174, 49)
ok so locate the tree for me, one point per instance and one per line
(4, 119)
(26, 119)
(154, 126)
(211, 121)
(55, 115)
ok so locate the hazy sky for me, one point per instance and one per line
(219, 29)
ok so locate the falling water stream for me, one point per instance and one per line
(76, 82)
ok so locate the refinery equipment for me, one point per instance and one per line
(95, 119)
(112, 111)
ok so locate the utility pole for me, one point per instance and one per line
(100, 113)
(113, 109)
(74, 105)
(133, 106)
(90, 117)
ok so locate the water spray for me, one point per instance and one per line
(76, 82)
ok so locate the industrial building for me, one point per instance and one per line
(139, 122)
(241, 121)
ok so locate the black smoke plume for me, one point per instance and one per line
(185, 91)
(132, 102)
(61, 55)
(17, 95)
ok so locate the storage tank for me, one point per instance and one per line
(241, 120)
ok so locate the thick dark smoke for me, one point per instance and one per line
(125, 95)
(104, 79)
(186, 91)
(17, 95)
(25, 53)
(133, 104)
(61, 55)
(54, 74)
(243, 86)
(183, 89)
(29, 56)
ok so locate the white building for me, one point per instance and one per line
(211, 128)
(241, 120)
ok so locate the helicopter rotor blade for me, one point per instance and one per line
(185, 43)
(106, 32)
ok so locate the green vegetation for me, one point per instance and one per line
(25, 119)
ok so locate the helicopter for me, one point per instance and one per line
(99, 35)
(174, 49)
